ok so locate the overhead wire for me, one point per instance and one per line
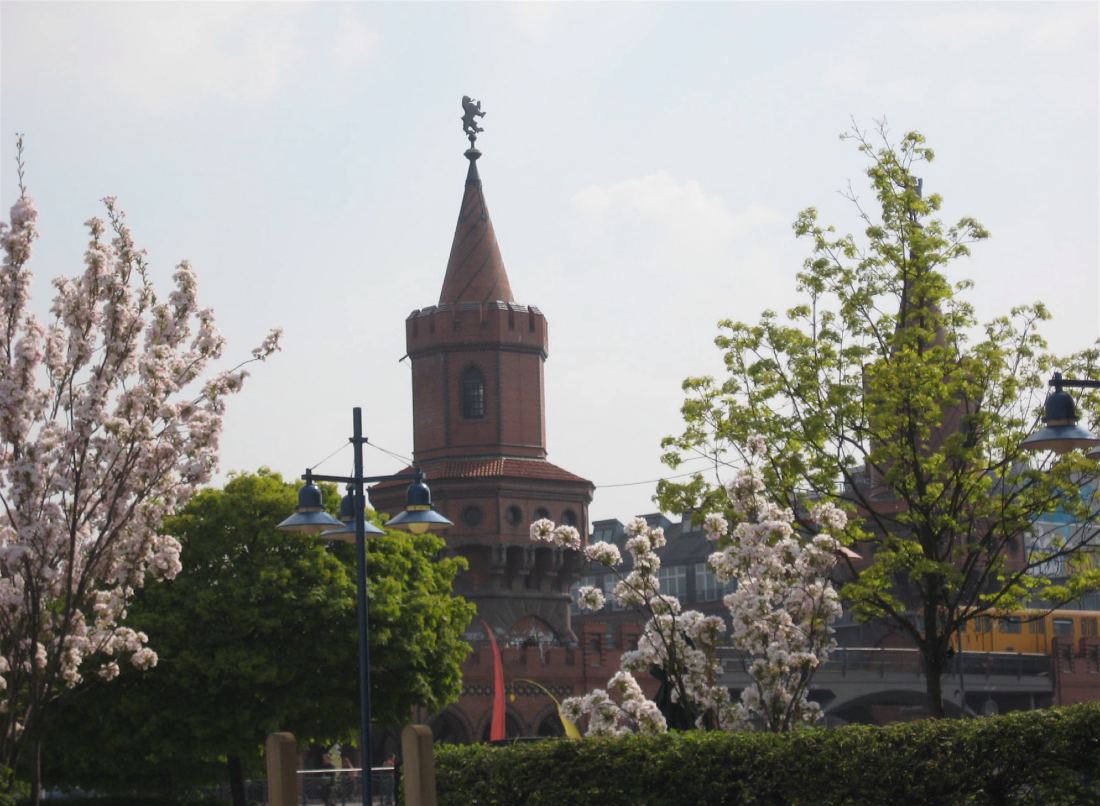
(648, 481)
(316, 465)
(388, 452)
(369, 444)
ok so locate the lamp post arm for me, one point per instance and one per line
(1074, 383)
(352, 480)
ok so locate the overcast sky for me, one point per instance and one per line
(642, 166)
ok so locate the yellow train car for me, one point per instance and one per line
(1028, 631)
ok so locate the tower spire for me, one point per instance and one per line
(475, 269)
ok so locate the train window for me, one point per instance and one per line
(1009, 625)
(1088, 626)
(1063, 627)
(1037, 627)
(985, 624)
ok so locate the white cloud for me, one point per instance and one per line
(159, 55)
(965, 55)
(865, 73)
(1044, 28)
(661, 203)
(354, 43)
(533, 18)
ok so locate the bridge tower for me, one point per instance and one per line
(480, 436)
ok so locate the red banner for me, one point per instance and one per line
(496, 727)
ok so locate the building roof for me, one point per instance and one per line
(475, 269)
(493, 467)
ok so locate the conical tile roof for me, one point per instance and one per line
(475, 269)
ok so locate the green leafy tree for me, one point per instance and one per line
(257, 634)
(882, 394)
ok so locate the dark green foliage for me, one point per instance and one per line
(258, 633)
(1045, 758)
(10, 787)
(142, 800)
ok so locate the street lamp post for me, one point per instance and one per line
(1060, 432)
(418, 517)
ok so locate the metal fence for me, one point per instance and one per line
(344, 787)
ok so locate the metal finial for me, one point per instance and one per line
(471, 110)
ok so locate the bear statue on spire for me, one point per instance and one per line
(471, 110)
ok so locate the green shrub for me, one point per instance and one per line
(1043, 758)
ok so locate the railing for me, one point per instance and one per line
(1005, 664)
(344, 787)
(864, 661)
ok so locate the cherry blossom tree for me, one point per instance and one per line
(108, 422)
(781, 612)
(784, 605)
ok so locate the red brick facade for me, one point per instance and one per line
(1076, 670)
(480, 437)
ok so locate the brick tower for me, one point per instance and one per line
(480, 436)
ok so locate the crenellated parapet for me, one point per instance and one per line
(474, 326)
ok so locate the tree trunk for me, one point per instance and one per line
(933, 675)
(236, 780)
(933, 649)
(36, 771)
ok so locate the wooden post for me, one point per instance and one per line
(281, 752)
(418, 765)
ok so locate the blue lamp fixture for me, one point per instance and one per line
(1060, 432)
(310, 517)
(345, 533)
(419, 515)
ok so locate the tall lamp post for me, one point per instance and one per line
(1060, 432)
(310, 517)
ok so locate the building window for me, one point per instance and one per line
(542, 512)
(473, 394)
(707, 586)
(569, 517)
(471, 516)
(514, 515)
(673, 580)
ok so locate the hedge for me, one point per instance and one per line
(1029, 757)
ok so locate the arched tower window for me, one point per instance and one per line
(473, 394)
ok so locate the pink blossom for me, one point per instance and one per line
(101, 437)
(590, 598)
(542, 531)
(604, 553)
(781, 614)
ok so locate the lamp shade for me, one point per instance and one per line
(310, 516)
(419, 517)
(1060, 432)
(345, 533)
